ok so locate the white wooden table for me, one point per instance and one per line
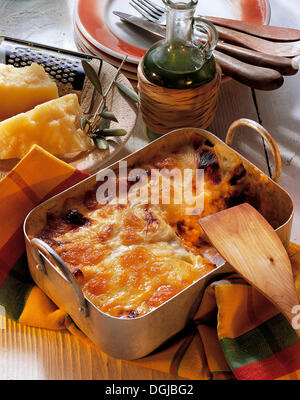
(29, 353)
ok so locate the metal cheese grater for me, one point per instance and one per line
(62, 65)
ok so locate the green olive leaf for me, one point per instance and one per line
(109, 115)
(101, 143)
(131, 94)
(92, 75)
(114, 132)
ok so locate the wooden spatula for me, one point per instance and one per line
(251, 246)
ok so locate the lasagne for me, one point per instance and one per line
(131, 258)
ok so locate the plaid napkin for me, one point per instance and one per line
(236, 333)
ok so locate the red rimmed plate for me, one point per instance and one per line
(130, 76)
(107, 33)
(83, 49)
(80, 39)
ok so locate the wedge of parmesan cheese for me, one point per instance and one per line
(21, 89)
(53, 125)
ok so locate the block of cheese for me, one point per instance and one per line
(21, 89)
(53, 125)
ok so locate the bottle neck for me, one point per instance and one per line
(179, 24)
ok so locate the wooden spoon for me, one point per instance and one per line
(251, 246)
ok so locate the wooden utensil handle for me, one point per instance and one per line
(244, 238)
(284, 65)
(275, 33)
(250, 75)
(255, 43)
(262, 132)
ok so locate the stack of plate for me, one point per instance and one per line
(99, 32)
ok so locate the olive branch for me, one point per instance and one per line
(97, 125)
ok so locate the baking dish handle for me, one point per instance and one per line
(266, 136)
(39, 246)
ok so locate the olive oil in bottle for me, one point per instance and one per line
(182, 61)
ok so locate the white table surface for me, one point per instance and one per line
(29, 353)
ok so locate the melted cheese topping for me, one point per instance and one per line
(131, 259)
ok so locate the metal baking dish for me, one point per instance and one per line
(135, 338)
